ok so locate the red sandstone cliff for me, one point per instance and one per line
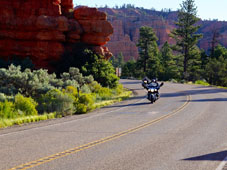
(40, 29)
(126, 23)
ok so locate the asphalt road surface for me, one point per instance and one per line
(186, 129)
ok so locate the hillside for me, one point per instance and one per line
(127, 21)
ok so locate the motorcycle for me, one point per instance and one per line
(152, 90)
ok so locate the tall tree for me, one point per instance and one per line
(147, 46)
(215, 39)
(120, 60)
(195, 65)
(117, 61)
(154, 66)
(185, 33)
(220, 51)
(168, 63)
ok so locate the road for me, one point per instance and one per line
(186, 129)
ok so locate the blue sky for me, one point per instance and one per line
(207, 9)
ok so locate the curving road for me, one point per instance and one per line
(186, 129)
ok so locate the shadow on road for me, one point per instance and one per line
(217, 156)
(208, 100)
(200, 87)
(194, 92)
(136, 98)
(133, 104)
(131, 82)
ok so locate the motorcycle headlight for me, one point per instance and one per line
(151, 90)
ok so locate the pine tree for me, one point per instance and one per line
(129, 69)
(120, 60)
(168, 63)
(185, 33)
(154, 65)
(215, 40)
(195, 65)
(148, 49)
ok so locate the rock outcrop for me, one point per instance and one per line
(41, 30)
(127, 22)
(121, 42)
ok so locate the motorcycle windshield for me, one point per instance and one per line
(153, 85)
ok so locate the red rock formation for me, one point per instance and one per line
(66, 6)
(39, 29)
(95, 25)
(126, 23)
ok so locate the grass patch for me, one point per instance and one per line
(198, 82)
(26, 119)
(122, 96)
(201, 82)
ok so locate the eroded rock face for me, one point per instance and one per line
(95, 25)
(127, 22)
(40, 29)
(126, 25)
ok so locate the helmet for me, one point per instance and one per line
(154, 80)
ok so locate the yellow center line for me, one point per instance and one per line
(97, 142)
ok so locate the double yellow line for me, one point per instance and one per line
(97, 142)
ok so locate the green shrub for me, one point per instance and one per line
(85, 103)
(104, 93)
(75, 75)
(95, 87)
(37, 82)
(118, 90)
(57, 101)
(28, 83)
(71, 90)
(202, 82)
(85, 89)
(81, 108)
(26, 105)
(102, 71)
(7, 110)
(2, 97)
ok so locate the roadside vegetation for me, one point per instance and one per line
(28, 95)
(182, 61)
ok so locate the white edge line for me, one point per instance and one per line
(7, 134)
(222, 164)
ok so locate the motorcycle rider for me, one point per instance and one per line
(154, 83)
(145, 82)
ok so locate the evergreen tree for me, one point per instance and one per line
(113, 61)
(148, 49)
(185, 33)
(215, 39)
(219, 51)
(129, 69)
(194, 65)
(120, 59)
(102, 71)
(154, 65)
(168, 63)
(216, 71)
